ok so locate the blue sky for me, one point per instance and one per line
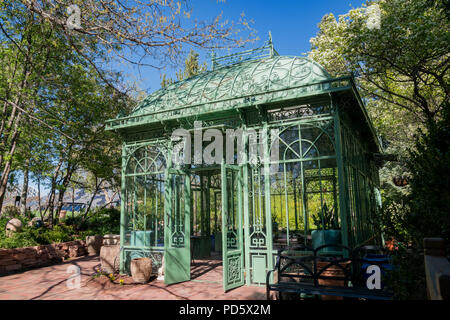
(292, 24)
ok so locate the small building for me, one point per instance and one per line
(296, 165)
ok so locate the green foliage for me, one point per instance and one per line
(18, 240)
(31, 236)
(10, 211)
(105, 221)
(422, 212)
(408, 276)
(401, 67)
(326, 219)
(192, 68)
(429, 200)
(402, 71)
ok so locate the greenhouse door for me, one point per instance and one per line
(177, 254)
(232, 231)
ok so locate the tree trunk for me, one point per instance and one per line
(51, 197)
(73, 200)
(105, 192)
(62, 191)
(39, 200)
(97, 188)
(8, 163)
(23, 197)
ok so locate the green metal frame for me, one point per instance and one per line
(326, 146)
(232, 227)
(177, 229)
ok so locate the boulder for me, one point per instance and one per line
(36, 221)
(13, 225)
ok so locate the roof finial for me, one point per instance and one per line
(213, 59)
(270, 43)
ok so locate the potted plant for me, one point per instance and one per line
(328, 231)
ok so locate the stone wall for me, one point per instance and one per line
(31, 257)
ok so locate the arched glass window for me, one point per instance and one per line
(304, 189)
(144, 196)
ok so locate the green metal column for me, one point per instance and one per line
(246, 207)
(294, 179)
(208, 209)
(232, 225)
(123, 213)
(303, 189)
(343, 191)
(266, 160)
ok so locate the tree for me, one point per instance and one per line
(192, 67)
(423, 211)
(429, 200)
(402, 70)
(43, 46)
(153, 29)
(26, 49)
(402, 65)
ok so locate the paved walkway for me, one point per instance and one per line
(51, 283)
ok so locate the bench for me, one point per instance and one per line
(337, 273)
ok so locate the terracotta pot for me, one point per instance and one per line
(333, 271)
(141, 269)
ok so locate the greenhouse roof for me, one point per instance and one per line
(247, 83)
(232, 82)
(237, 81)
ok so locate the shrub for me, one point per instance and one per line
(105, 221)
(102, 221)
(424, 212)
(429, 201)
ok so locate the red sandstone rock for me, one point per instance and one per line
(19, 258)
(13, 267)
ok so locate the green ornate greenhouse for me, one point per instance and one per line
(322, 175)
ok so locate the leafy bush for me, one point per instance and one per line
(77, 222)
(103, 221)
(424, 211)
(429, 201)
(31, 236)
(408, 277)
(17, 240)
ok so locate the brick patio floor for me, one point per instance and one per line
(50, 283)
